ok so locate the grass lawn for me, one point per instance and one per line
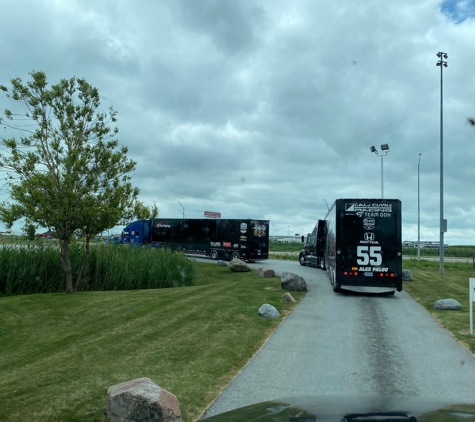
(59, 353)
(429, 286)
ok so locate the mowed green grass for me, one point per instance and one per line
(59, 353)
(429, 286)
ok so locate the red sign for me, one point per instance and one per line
(227, 244)
(211, 214)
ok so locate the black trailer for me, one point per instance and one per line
(362, 246)
(217, 238)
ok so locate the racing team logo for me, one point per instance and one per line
(369, 223)
(369, 236)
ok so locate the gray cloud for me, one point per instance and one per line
(263, 109)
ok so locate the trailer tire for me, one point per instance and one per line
(214, 255)
(333, 280)
(235, 255)
(322, 263)
(390, 293)
(302, 260)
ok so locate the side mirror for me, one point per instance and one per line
(303, 239)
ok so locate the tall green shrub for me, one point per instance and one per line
(37, 269)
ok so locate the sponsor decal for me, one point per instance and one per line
(259, 230)
(236, 245)
(216, 244)
(369, 210)
(369, 236)
(243, 227)
(227, 244)
(243, 238)
(374, 269)
(368, 274)
(369, 223)
(160, 224)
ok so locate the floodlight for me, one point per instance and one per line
(438, 55)
(384, 147)
(373, 149)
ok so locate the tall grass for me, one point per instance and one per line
(464, 251)
(37, 269)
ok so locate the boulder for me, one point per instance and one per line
(239, 266)
(291, 281)
(263, 272)
(287, 297)
(222, 263)
(406, 275)
(268, 311)
(141, 400)
(447, 304)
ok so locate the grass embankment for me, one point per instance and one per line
(429, 286)
(60, 353)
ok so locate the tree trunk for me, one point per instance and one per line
(83, 265)
(66, 263)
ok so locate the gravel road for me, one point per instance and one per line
(352, 344)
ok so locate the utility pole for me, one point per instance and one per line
(443, 224)
(419, 209)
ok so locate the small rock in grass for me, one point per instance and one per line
(447, 304)
(238, 266)
(268, 311)
(287, 297)
(141, 400)
(263, 272)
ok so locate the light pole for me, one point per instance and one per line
(385, 149)
(443, 228)
(419, 210)
(182, 209)
(328, 208)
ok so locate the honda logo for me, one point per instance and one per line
(369, 236)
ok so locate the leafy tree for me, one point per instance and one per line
(66, 171)
(30, 230)
(144, 212)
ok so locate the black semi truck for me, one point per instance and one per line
(215, 238)
(359, 244)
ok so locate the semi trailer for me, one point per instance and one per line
(359, 244)
(215, 238)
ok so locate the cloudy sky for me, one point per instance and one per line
(267, 109)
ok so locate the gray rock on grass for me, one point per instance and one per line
(447, 304)
(287, 297)
(406, 275)
(141, 400)
(290, 281)
(264, 272)
(268, 311)
(238, 266)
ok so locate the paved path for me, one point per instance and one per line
(352, 344)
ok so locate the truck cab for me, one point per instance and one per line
(313, 253)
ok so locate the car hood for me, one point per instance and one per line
(352, 409)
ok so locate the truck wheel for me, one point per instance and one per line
(302, 260)
(335, 288)
(235, 255)
(390, 293)
(214, 255)
(322, 263)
